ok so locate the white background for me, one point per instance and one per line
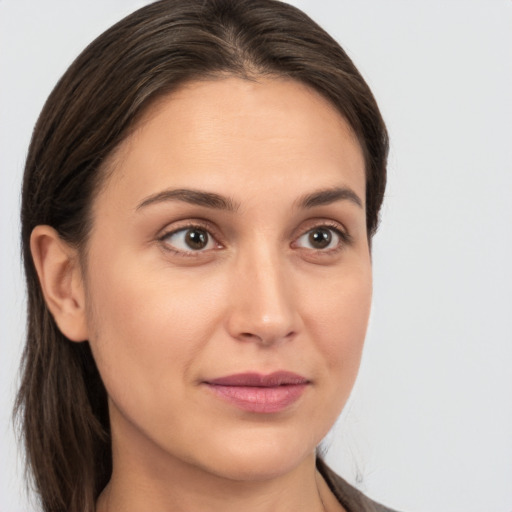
(429, 425)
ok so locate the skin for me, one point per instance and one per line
(163, 318)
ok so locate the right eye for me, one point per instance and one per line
(189, 239)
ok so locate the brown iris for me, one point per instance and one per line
(196, 238)
(320, 238)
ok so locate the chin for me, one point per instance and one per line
(259, 459)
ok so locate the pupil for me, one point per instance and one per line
(320, 238)
(196, 239)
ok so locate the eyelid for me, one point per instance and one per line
(183, 226)
(345, 237)
(340, 230)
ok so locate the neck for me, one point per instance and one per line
(186, 489)
(144, 478)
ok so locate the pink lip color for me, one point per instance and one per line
(254, 392)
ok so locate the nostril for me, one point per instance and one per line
(266, 339)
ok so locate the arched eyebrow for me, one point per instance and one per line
(329, 196)
(219, 202)
(197, 197)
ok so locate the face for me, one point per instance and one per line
(228, 278)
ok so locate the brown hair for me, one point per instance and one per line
(62, 403)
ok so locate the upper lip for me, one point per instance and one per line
(254, 379)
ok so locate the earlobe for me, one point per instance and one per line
(60, 277)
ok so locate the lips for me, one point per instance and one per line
(260, 393)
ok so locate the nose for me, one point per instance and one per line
(262, 305)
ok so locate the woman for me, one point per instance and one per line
(198, 205)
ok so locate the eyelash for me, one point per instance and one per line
(345, 238)
(193, 225)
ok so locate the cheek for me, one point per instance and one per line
(338, 318)
(146, 327)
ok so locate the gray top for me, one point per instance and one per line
(351, 499)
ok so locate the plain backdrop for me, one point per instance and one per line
(429, 425)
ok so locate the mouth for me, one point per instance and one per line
(260, 393)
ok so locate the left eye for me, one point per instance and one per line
(190, 239)
(320, 238)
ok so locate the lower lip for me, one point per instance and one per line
(260, 399)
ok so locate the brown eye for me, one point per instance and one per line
(190, 239)
(320, 238)
(196, 239)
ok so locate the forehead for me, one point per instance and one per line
(219, 132)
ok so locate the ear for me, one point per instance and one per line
(58, 267)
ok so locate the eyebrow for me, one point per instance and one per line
(197, 197)
(219, 202)
(329, 196)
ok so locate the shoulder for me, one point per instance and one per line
(352, 499)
